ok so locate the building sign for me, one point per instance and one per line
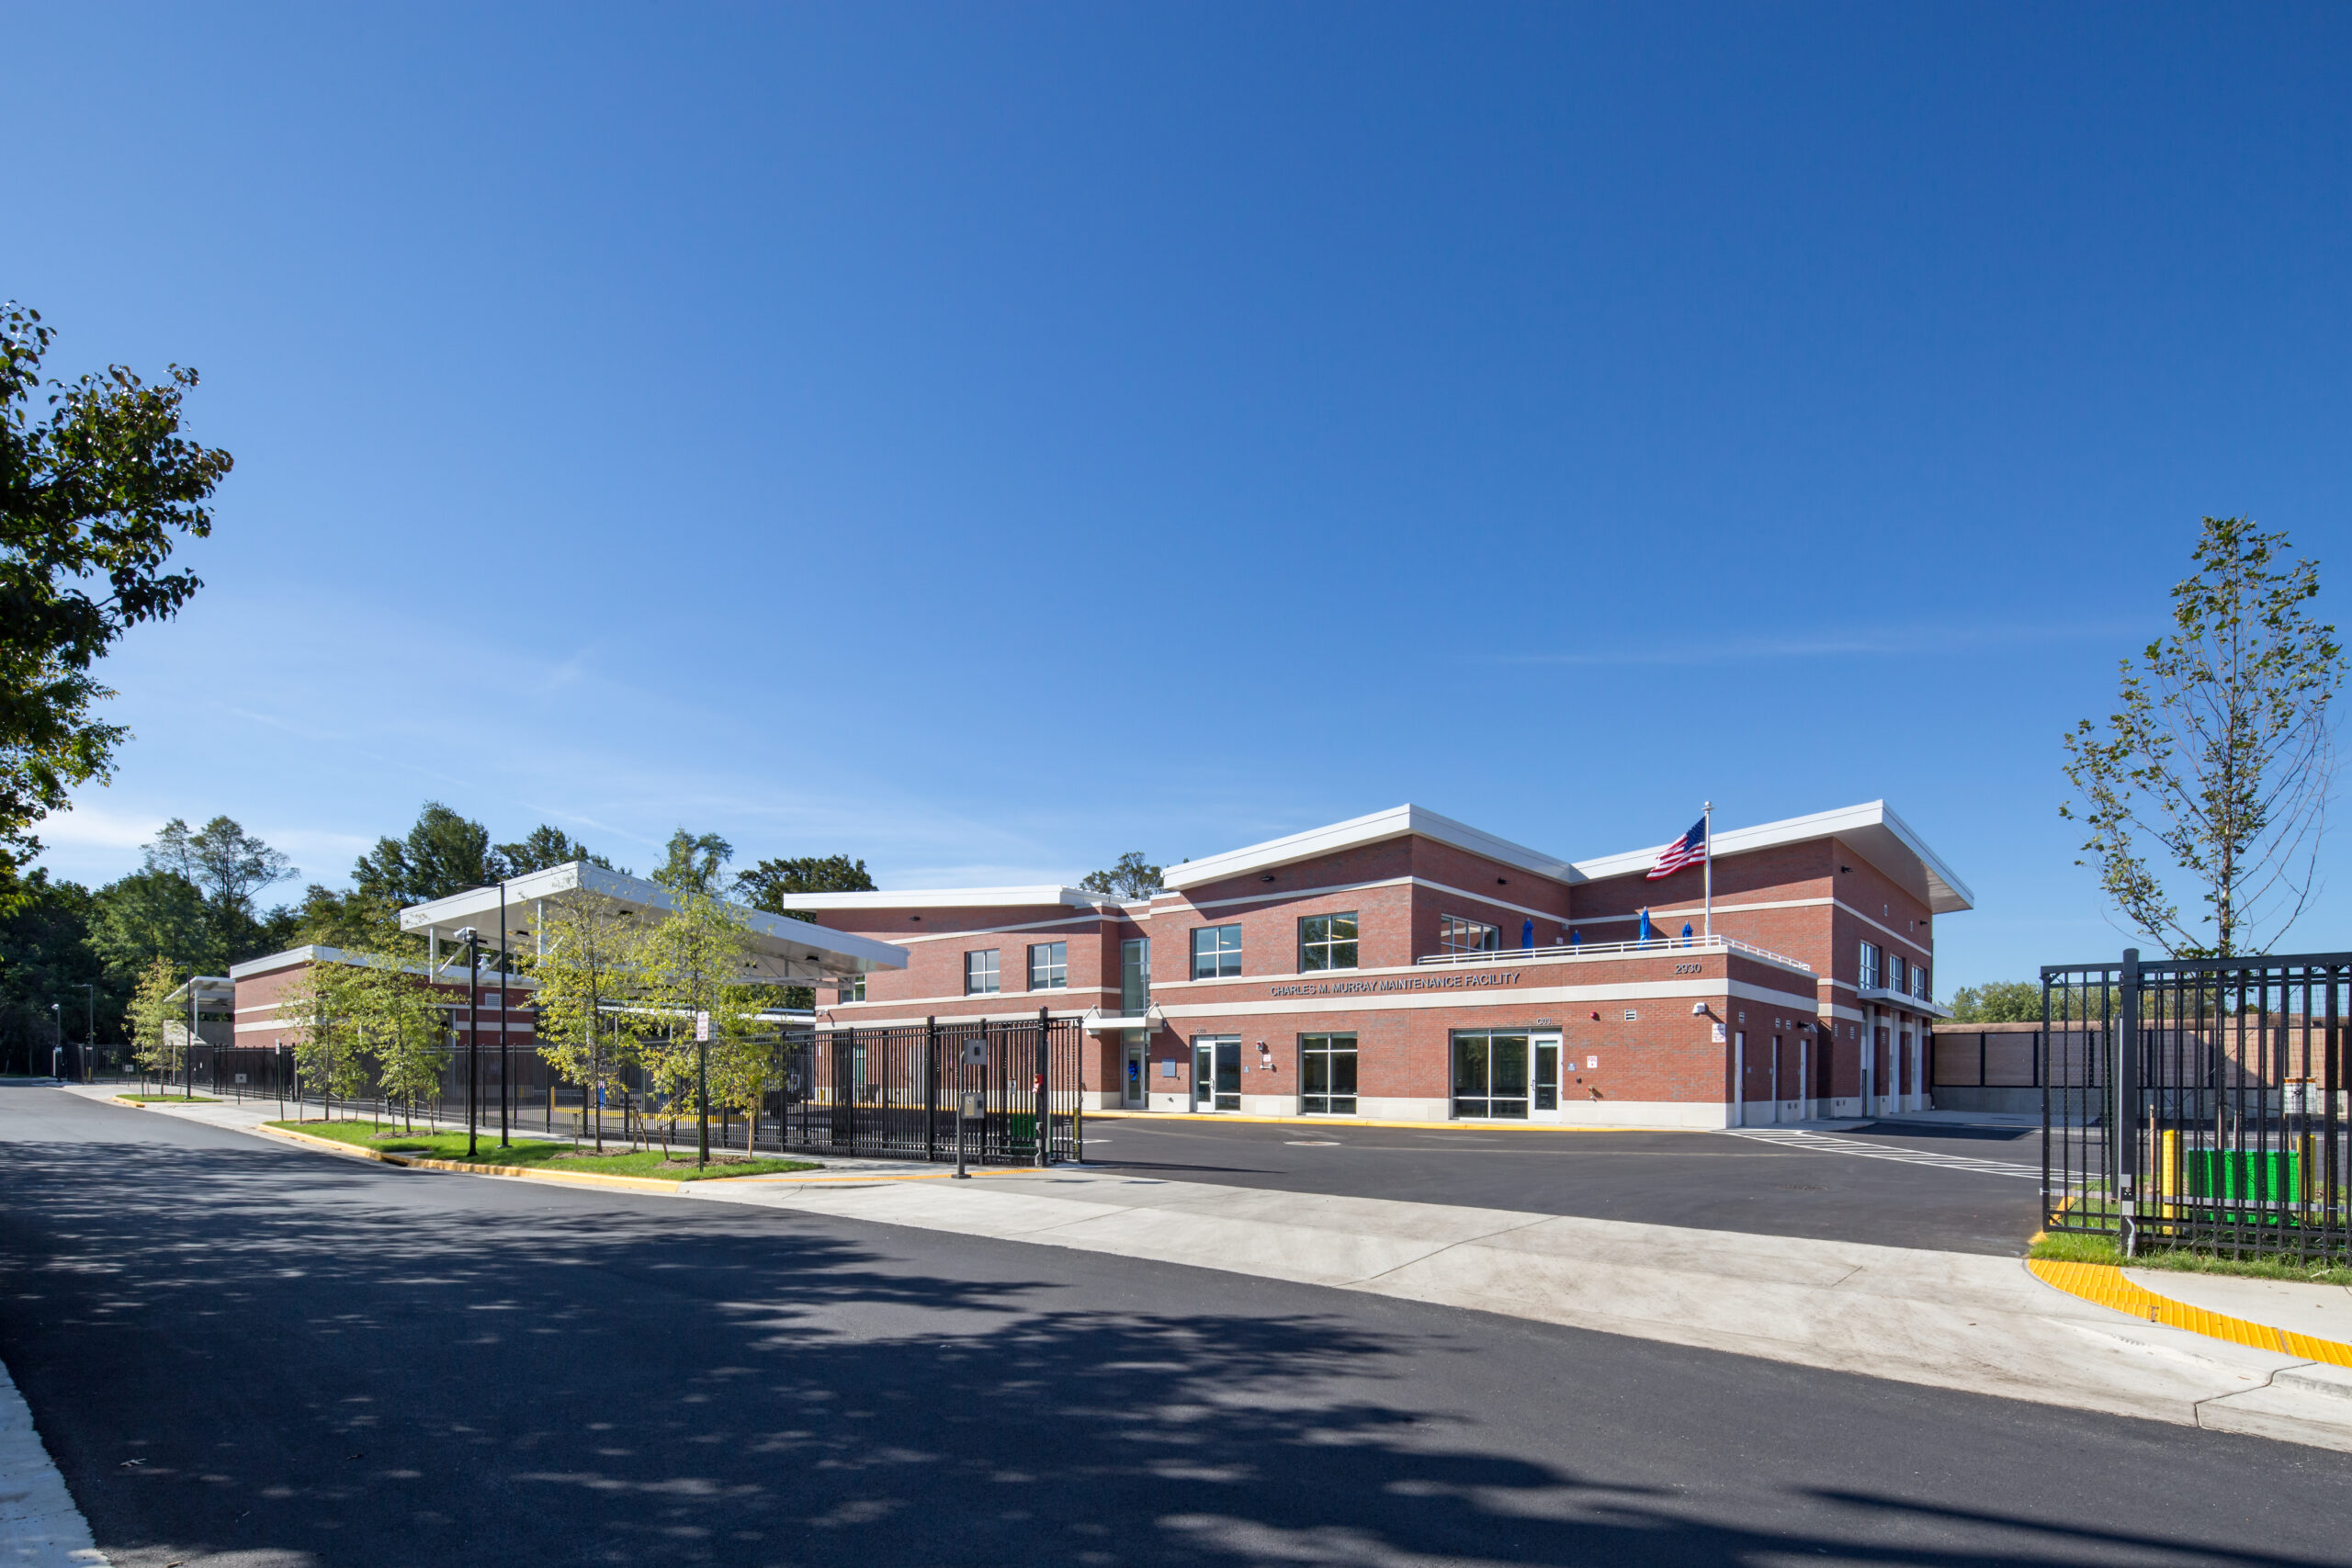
(1400, 983)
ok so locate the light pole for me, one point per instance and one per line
(90, 1033)
(472, 939)
(56, 1046)
(505, 1002)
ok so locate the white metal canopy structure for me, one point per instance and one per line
(784, 951)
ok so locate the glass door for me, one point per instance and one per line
(1132, 1087)
(1327, 1074)
(1547, 1076)
(1216, 1072)
(1490, 1075)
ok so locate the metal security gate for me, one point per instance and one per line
(2198, 1103)
(894, 1093)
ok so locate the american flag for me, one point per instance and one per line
(1688, 850)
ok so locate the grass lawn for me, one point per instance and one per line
(2070, 1246)
(536, 1155)
(183, 1099)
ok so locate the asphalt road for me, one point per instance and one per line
(247, 1353)
(1828, 1188)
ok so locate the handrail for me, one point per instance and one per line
(1661, 944)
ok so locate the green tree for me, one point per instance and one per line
(2220, 755)
(693, 862)
(587, 968)
(766, 885)
(399, 1027)
(46, 957)
(352, 922)
(443, 853)
(1998, 1001)
(230, 867)
(94, 490)
(156, 914)
(157, 1028)
(1133, 877)
(698, 961)
(322, 1014)
(545, 846)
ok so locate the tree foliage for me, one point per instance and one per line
(698, 960)
(546, 845)
(2218, 756)
(442, 853)
(693, 862)
(588, 965)
(766, 885)
(1133, 877)
(1998, 1001)
(95, 488)
(156, 1026)
(323, 1015)
(45, 957)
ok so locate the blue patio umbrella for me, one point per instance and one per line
(1575, 937)
(1686, 931)
(1527, 933)
(1644, 933)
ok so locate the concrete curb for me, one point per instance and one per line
(40, 1527)
(2104, 1284)
(666, 1186)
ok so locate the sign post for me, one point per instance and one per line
(971, 1105)
(702, 1087)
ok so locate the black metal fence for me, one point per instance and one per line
(2198, 1103)
(894, 1093)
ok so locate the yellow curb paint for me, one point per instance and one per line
(1188, 1116)
(2104, 1284)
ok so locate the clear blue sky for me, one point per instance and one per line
(984, 439)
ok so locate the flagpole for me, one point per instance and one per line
(1707, 822)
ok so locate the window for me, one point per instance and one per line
(1895, 979)
(1919, 981)
(1490, 1075)
(1327, 941)
(1870, 977)
(1049, 965)
(1216, 952)
(979, 973)
(852, 992)
(1134, 976)
(1456, 935)
(1327, 1074)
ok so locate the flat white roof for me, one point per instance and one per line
(1397, 822)
(786, 951)
(956, 898)
(1876, 833)
(1872, 829)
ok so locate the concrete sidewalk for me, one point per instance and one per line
(1949, 1320)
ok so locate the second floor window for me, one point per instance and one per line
(1919, 981)
(1327, 941)
(1134, 976)
(1049, 965)
(1870, 976)
(979, 973)
(852, 992)
(1456, 935)
(1216, 952)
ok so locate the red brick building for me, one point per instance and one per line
(1405, 965)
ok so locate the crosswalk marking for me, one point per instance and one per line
(1825, 1144)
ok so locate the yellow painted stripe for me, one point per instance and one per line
(2105, 1285)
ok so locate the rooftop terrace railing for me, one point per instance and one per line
(1662, 944)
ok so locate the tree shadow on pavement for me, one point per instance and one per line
(272, 1356)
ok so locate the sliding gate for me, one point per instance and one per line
(2198, 1102)
(896, 1092)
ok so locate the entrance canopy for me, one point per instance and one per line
(784, 952)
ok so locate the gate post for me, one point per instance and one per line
(2127, 1104)
(1044, 1125)
(930, 1087)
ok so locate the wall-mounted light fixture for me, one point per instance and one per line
(1268, 878)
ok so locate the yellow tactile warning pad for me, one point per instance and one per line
(2104, 1284)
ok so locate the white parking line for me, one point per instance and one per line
(1824, 1143)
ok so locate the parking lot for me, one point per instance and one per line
(1961, 1188)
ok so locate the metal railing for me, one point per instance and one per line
(2199, 1104)
(873, 1093)
(1619, 950)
